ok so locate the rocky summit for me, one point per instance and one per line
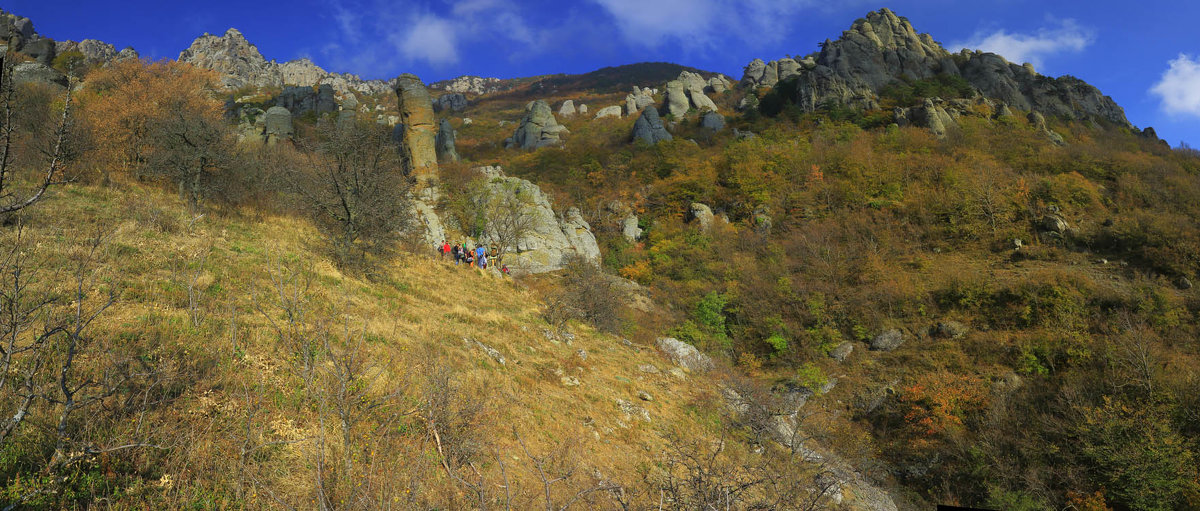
(883, 48)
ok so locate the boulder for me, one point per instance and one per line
(252, 125)
(717, 85)
(538, 128)
(684, 355)
(887, 341)
(787, 68)
(567, 108)
(583, 109)
(752, 74)
(548, 240)
(630, 229)
(699, 100)
(608, 111)
(702, 215)
(453, 102)
(677, 102)
(649, 127)
(1054, 223)
(950, 330)
(712, 121)
(278, 124)
(842, 351)
(637, 100)
(418, 141)
(349, 111)
(445, 142)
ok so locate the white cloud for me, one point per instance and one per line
(1067, 37)
(700, 23)
(1179, 88)
(384, 34)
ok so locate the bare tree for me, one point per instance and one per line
(192, 149)
(12, 197)
(27, 330)
(354, 187)
(507, 215)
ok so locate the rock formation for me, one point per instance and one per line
(608, 111)
(583, 109)
(549, 239)
(94, 52)
(712, 121)
(445, 142)
(687, 92)
(240, 64)
(278, 124)
(252, 125)
(300, 100)
(649, 127)
(538, 128)
(36, 72)
(637, 100)
(418, 137)
(567, 108)
(702, 215)
(452, 102)
(470, 85)
(880, 49)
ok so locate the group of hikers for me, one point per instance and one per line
(479, 257)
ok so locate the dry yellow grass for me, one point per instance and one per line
(415, 311)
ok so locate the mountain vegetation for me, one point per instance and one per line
(925, 288)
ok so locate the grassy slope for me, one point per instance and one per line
(415, 310)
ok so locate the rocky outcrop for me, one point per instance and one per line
(630, 229)
(567, 108)
(684, 355)
(718, 85)
(36, 72)
(471, 85)
(538, 128)
(887, 341)
(278, 124)
(712, 121)
(252, 125)
(446, 151)
(451, 102)
(608, 111)
(881, 48)
(94, 52)
(637, 100)
(549, 240)
(240, 64)
(687, 92)
(1038, 121)
(300, 100)
(702, 215)
(583, 109)
(418, 137)
(649, 127)
(426, 225)
(18, 33)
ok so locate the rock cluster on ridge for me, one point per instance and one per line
(883, 48)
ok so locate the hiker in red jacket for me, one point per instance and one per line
(445, 249)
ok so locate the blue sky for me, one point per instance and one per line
(1144, 54)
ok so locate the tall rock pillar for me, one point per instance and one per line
(418, 137)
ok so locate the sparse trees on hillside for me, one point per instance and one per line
(354, 188)
(18, 192)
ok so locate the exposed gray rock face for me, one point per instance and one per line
(712, 121)
(427, 225)
(36, 72)
(702, 215)
(649, 127)
(18, 33)
(445, 142)
(608, 111)
(1038, 121)
(349, 110)
(583, 109)
(301, 100)
(278, 123)
(842, 351)
(677, 103)
(637, 100)
(881, 48)
(538, 128)
(471, 85)
(252, 125)
(418, 137)
(887, 341)
(240, 64)
(684, 355)
(549, 240)
(128, 53)
(718, 84)
(630, 229)
(567, 108)
(452, 102)
(94, 52)
(41, 49)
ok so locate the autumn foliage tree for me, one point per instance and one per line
(133, 104)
